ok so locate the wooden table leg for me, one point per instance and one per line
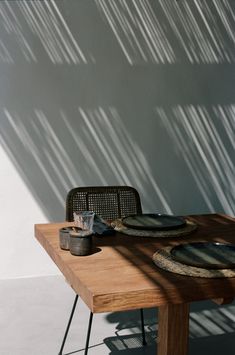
(173, 329)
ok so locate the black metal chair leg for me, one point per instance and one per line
(68, 326)
(142, 326)
(88, 333)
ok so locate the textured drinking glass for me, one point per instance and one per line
(84, 220)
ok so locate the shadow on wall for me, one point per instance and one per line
(43, 20)
(73, 115)
(54, 156)
(204, 138)
(146, 31)
(167, 32)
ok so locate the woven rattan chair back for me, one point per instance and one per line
(109, 202)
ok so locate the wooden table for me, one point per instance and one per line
(120, 275)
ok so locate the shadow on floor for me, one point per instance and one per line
(212, 331)
(38, 308)
(131, 345)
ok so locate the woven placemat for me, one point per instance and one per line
(179, 232)
(163, 259)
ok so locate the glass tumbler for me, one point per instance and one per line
(84, 220)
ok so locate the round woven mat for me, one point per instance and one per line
(163, 259)
(179, 232)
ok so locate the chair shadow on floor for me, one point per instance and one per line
(131, 345)
(128, 336)
(128, 339)
(213, 333)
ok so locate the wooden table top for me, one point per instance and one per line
(120, 273)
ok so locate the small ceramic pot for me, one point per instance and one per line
(64, 236)
(80, 242)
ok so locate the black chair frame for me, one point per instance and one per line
(109, 202)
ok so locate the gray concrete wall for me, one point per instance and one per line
(140, 92)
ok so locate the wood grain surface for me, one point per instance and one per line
(120, 273)
(173, 325)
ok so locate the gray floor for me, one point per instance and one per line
(34, 312)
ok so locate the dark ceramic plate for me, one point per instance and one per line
(153, 221)
(205, 255)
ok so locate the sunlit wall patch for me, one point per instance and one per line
(95, 149)
(117, 152)
(168, 31)
(204, 137)
(23, 21)
(138, 31)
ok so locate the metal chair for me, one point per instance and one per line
(109, 202)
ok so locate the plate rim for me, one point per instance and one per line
(182, 219)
